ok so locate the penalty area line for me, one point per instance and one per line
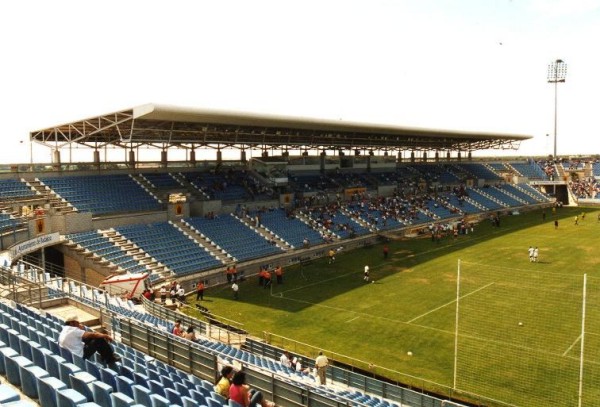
(353, 319)
(572, 345)
(448, 303)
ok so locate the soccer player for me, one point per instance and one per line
(535, 254)
(531, 250)
(366, 274)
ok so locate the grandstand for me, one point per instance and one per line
(188, 221)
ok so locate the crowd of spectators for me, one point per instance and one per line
(585, 188)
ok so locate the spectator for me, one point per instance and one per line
(163, 294)
(200, 291)
(224, 381)
(297, 364)
(181, 295)
(84, 343)
(236, 290)
(285, 359)
(241, 393)
(177, 328)
(190, 334)
(279, 274)
(321, 363)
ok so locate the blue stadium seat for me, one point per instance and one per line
(93, 369)
(157, 387)
(5, 353)
(53, 363)
(47, 388)
(82, 382)
(210, 402)
(38, 356)
(159, 401)
(141, 395)
(109, 377)
(189, 402)
(121, 400)
(13, 365)
(218, 397)
(101, 392)
(173, 396)
(8, 394)
(69, 398)
(65, 370)
(124, 385)
(30, 375)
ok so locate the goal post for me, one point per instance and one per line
(524, 338)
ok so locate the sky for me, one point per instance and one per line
(475, 65)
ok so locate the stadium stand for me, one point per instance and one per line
(236, 238)
(40, 369)
(289, 228)
(170, 246)
(102, 194)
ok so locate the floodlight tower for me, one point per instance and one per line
(557, 73)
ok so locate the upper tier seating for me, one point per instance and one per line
(233, 236)
(290, 229)
(479, 196)
(337, 222)
(530, 170)
(10, 189)
(306, 182)
(101, 245)
(103, 194)
(479, 171)
(437, 173)
(8, 223)
(170, 246)
(226, 186)
(498, 167)
(519, 193)
(161, 180)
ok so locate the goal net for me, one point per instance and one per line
(527, 338)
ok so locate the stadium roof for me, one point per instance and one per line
(164, 127)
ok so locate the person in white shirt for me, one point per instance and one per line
(181, 295)
(80, 342)
(531, 254)
(321, 363)
(285, 360)
(535, 254)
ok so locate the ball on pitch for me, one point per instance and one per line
(372, 281)
(409, 353)
(520, 323)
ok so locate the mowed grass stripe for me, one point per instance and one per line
(319, 303)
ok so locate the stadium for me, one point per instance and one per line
(455, 312)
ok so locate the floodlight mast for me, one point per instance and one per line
(557, 73)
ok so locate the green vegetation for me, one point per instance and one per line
(411, 307)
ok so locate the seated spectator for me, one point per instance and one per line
(297, 363)
(240, 392)
(224, 381)
(190, 334)
(177, 329)
(84, 343)
(285, 359)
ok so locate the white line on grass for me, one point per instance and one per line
(448, 303)
(350, 320)
(573, 344)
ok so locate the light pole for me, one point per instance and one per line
(557, 73)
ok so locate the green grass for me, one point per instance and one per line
(412, 307)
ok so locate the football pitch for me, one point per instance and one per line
(507, 332)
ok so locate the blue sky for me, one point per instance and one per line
(464, 64)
